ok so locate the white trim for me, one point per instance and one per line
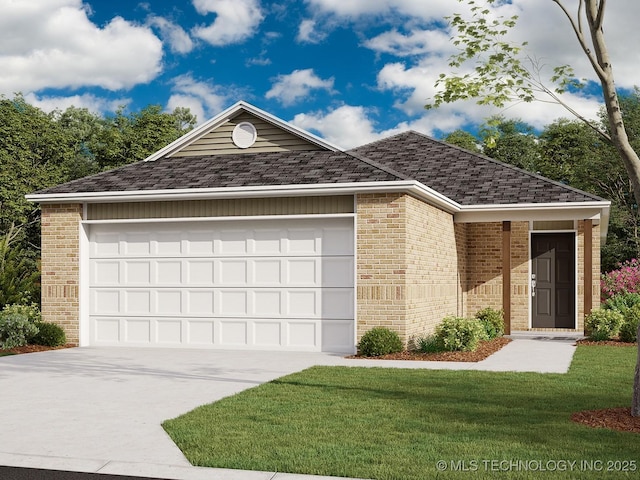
(355, 275)
(575, 273)
(322, 189)
(225, 116)
(84, 269)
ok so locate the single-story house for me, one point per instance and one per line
(249, 232)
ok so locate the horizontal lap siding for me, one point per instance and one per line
(222, 208)
(270, 139)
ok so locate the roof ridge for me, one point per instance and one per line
(378, 165)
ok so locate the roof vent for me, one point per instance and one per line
(244, 135)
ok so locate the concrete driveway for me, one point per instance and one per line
(100, 409)
(107, 404)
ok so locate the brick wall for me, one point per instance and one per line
(484, 266)
(520, 275)
(407, 276)
(60, 267)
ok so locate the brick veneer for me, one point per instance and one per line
(407, 273)
(60, 267)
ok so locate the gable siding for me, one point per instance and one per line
(222, 208)
(270, 139)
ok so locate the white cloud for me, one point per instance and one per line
(90, 102)
(289, 88)
(201, 98)
(236, 20)
(418, 42)
(53, 44)
(309, 33)
(358, 8)
(347, 126)
(179, 40)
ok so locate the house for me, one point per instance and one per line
(251, 233)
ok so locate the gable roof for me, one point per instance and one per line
(466, 177)
(229, 114)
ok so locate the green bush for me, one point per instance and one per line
(457, 333)
(379, 341)
(428, 344)
(493, 322)
(603, 324)
(32, 312)
(15, 330)
(49, 334)
(622, 302)
(629, 328)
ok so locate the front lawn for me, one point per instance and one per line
(398, 424)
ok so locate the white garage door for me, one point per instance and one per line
(263, 284)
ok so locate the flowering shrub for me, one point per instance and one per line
(626, 279)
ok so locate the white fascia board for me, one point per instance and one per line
(596, 210)
(227, 114)
(408, 186)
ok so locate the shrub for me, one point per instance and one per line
(629, 328)
(428, 344)
(32, 312)
(622, 302)
(493, 322)
(15, 330)
(602, 324)
(626, 279)
(457, 333)
(379, 341)
(49, 334)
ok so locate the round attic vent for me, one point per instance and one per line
(244, 135)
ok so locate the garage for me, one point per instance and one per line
(266, 283)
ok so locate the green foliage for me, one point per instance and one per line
(492, 321)
(463, 139)
(31, 312)
(15, 330)
(622, 302)
(379, 341)
(460, 334)
(602, 324)
(428, 344)
(49, 334)
(511, 141)
(629, 328)
(19, 275)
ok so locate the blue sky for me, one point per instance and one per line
(348, 70)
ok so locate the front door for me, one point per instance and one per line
(553, 280)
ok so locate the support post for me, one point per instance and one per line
(588, 267)
(506, 275)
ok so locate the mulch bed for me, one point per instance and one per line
(612, 343)
(484, 350)
(612, 418)
(34, 348)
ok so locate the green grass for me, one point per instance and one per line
(396, 424)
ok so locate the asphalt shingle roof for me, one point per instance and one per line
(238, 170)
(462, 176)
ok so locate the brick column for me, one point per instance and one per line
(60, 266)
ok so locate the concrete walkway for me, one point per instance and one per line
(101, 409)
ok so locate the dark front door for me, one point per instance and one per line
(553, 283)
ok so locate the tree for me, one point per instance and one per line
(511, 141)
(463, 139)
(502, 73)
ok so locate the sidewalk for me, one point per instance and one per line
(150, 385)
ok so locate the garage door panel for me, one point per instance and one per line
(137, 330)
(218, 284)
(105, 301)
(169, 332)
(200, 332)
(199, 302)
(105, 272)
(337, 303)
(137, 272)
